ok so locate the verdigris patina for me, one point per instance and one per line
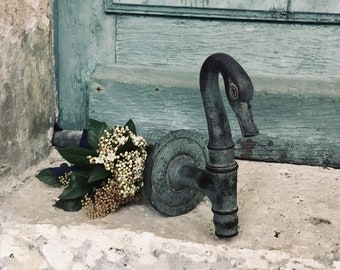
(179, 171)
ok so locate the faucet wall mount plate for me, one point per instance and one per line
(165, 194)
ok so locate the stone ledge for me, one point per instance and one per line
(288, 218)
(44, 246)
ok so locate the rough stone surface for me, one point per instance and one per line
(27, 95)
(289, 219)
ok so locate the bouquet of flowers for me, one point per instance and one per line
(104, 172)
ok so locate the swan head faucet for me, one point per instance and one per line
(181, 170)
(239, 90)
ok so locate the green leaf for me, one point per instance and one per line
(127, 147)
(84, 172)
(131, 126)
(48, 177)
(77, 187)
(76, 155)
(72, 205)
(98, 173)
(96, 131)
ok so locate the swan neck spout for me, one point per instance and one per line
(239, 91)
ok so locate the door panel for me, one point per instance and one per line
(262, 48)
(311, 11)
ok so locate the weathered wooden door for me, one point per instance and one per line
(121, 59)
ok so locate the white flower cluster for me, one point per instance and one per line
(126, 168)
(110, 144)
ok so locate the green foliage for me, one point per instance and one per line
(98, 173)
(76, 155)
(76, 188)
(129, 145)
(72, 205)
(131, 126)
(95, 132)
(48, 177)
(84, 172)
(84, 177)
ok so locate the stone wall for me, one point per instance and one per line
(27, 93)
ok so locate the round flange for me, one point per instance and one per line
(186, 145)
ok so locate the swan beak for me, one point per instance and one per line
(245, 118)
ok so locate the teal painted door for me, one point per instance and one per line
(134, 59)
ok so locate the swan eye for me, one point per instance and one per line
(233, 91)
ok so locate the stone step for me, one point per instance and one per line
(288, 218)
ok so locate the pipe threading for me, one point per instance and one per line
(218, 212)
(213, 169)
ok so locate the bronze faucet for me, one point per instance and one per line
(181, 170)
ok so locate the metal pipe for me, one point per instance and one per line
(219, 182)
(222, 188)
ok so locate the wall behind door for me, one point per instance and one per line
(27, 93)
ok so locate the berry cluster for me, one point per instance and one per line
(65, 179)
(107, 199)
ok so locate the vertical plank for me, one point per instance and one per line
(86, 36)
